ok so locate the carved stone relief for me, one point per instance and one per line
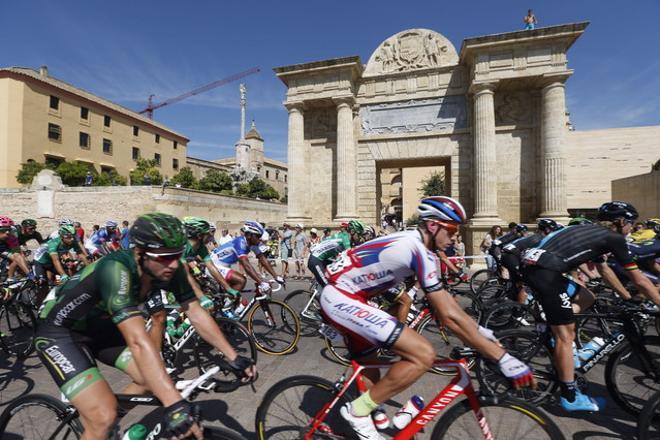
(513, 108)
(422, 115)
(410, 50)
(321, 123)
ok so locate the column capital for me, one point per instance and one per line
(483, 87)
(552, 80)
(294, 106)
(341, 101)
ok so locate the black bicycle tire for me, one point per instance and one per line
(218, 433)
(58, 407)
(260, 424)
(473, 287)
(610, 373)
(333, 351)
(200, 343)
(296, 323)
(488, 317)
(308, 327)
(29, 348)
(449, 371)
(535, 397)
(647, 416)
(524, 408)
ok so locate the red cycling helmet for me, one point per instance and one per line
(6, 222)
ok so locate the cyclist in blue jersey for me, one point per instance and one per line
(237, 251)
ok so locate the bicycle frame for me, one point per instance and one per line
(460, 384)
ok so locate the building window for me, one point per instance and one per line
(157, 138)
(136, 153)
(106, 121)
(277, 175)
(106, 169)
(285, 177)
(175, 164)
(84, 113)
(107, 146)
(84, 140)
(54, 102)
(136, 130)
(157, 159)
(175, 144)
(53, 161)
(54, 132)
(267, 174)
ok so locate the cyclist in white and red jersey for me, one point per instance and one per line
(372, 268)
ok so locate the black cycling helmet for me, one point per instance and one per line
(611, 211)
(547, 223)
(521, 228)
(29, 223)
(157, 230)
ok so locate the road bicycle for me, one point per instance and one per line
(648, 423)
(307, 407)
(39, 416)
(18, 322)
(632, 373)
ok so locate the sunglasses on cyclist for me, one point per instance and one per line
(451, 228)
(164, 258)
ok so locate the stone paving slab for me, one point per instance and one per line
(236, 410)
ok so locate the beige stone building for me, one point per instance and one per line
(491, 116)
(44, 119)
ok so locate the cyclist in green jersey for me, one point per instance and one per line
(95, 315)
(325, 252)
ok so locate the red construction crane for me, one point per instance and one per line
(151, 107)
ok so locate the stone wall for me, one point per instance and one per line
(597, 157)
(97, 204)
(642, 191)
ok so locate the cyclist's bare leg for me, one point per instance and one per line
(11, 269)
(237, 281)
(417, 356)
(97, 406)
(522, 295)
(370, 376)
(564, 335)
(582, 300)
(137, 387)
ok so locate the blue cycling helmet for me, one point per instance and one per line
(253, 228)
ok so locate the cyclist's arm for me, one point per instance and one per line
(269, 268)
(610, 277)
(148, 360)
(247, 266)
(20, 260)
(644, 285)
(195, 286)
(55, 258)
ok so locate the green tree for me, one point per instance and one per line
(413, 220)
(257, 188)
(433, 185)
(285, 198)
(146, 167)
(656, 165)
(28, 171)
(185, 178)
(215, 181)
(73, 173)
(111, 178)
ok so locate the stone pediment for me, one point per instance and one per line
(409, 50)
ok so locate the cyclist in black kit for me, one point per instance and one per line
(564, 250)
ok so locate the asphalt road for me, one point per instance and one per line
(236, 410)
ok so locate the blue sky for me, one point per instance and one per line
(126, 50)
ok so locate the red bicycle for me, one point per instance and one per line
(307, 407)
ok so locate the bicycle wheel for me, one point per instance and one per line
(480, 277)
(18, 326)
(288, 408)
(628, 381)
(274, 327)
(509, 420)
(648, 423)
(443, 341)
(238, 336)
(38, 416)
(216, 433)
(530, 349)
(338, 350)
(310, 319)
(508, 315)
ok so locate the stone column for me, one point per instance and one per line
(485, 167)
(346, 161)
(553, 159)
(297, 160)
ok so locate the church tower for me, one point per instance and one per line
(256, 143)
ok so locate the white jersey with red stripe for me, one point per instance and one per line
(379, 264)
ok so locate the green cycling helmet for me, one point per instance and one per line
(28, 222)
(157, 230)
(356, 227)
(579, 221)
(196, 227)
(67, 230)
